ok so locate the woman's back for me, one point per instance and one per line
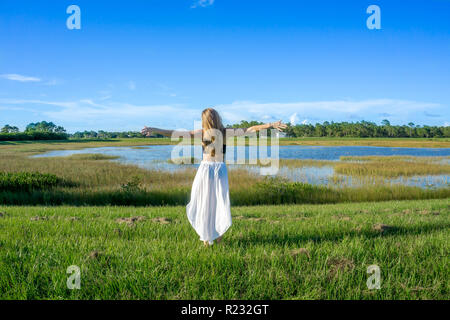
(209, 146)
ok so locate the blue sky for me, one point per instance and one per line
(160, 62)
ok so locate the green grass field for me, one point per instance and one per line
(270, 252)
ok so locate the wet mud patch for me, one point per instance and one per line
(338, 266)
(162, 220)
(130, 221)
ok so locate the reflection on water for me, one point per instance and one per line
(156, 158)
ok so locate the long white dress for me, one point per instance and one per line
(209, 208)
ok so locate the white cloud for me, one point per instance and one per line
(336, 110)
(94, 114)
(9, 108)
(202, 3)
(20, 78)
(39, 102)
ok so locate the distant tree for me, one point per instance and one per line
(44, 126)
(102, 134)
(245, 124)
(446, 131)
(59, 129)
(385, 122)
(9, 129)
(320, 130)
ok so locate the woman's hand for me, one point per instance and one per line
(280, 126)
(147, 132)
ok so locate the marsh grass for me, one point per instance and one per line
(270, 252)
(290, 163)
(277, 191)
(98, 181)
(393, 166)
(91, 156)
(28, 181)
(394, 158)
(371, 142)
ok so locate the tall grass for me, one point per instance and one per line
(28, 181)
(372, 142)
(394, 158)
(292, 163)
(392, 166)
(91, 156)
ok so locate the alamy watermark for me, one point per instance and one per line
(260, 149)
(374, 281)
(74, 20)
(74, 280)
(374, 20)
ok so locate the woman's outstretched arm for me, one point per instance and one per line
(278, 125)
(148, 131)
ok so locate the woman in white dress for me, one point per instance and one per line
(209, 208)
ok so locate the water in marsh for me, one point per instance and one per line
(156, 158)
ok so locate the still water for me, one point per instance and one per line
(156, 158)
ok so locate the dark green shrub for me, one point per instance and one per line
(134, 185)
(22, 136)
(28, 181)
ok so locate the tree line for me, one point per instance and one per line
(362, 129)
(366, 129)
(107, 135)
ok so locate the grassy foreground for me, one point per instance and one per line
(270, 252)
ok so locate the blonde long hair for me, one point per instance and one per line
(211, 120)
